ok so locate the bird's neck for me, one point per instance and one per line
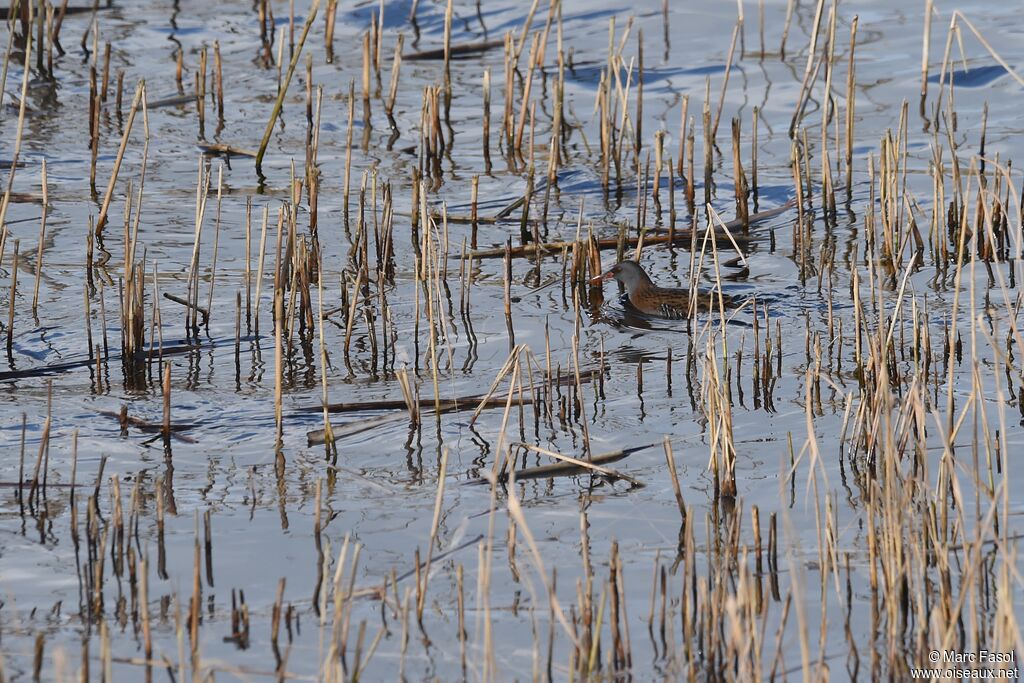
(640, 286)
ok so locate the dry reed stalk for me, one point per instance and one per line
(659, 160)
(216, 240)
(42, 239)
(851, 94)
(348, 152)
(218, 74)
(366, 77)
(740, 184)
(827, 113)
(396, 66)
(247, 272)
(517, 144)
(438, 500)
(377, 48)
(200, 91)
(670, 459)
(958, 17)
(586, 465)
(7, 60)
(329, 434)
(680, 170)
(725, 79)
(516, 512)
(5, 202)
(105, 87)
(811, 68)
(527, 23)
(447, 46)
(276, 111)
(192, 301)
(101, 220)
(638, 128)
(925, 45)
(330, 15)
(167, 402)
(279, 323)
(262, 254)
(12, 297)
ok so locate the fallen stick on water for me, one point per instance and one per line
(447, 405)
(148, 427)
(178, 300)
(161, 103)
(378, 591)
(570, 466)
(317, 436)
(450, 404)
(454, 50)
(176, 348)
(680, 237)
(225, 150)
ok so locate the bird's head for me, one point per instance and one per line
(629, 273)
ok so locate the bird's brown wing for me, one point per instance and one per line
(669, 303)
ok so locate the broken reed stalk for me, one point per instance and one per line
(276, 111)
